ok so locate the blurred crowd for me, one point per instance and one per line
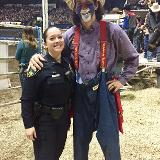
(19, 14)
(64, 16)
(144, 32)
(27, 14)
(140, 4)
(25, 1)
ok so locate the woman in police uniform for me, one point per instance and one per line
(45, 100)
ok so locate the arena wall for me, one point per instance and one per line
(7, 58)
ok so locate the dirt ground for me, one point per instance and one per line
(140, 141)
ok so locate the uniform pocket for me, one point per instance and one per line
(55, 79)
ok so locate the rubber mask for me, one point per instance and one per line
(85, 11)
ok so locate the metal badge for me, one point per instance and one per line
(31, 72)
(55, 75)
(94, 88)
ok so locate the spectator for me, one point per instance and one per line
(116, 11)
(26, 48)
(138, 35)
(152, 22)
(129, 21)
(154, 39)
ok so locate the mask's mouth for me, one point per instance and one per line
(86, 15)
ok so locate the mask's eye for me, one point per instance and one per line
(83, 6)
(78, 9)
(91, 6)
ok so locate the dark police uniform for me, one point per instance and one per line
(45, 104)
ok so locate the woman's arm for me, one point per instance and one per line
(28, 99)
(35, 62)
(19, 51)
(130, 56)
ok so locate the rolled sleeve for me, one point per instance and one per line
(129, 55)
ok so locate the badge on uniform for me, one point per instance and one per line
(31, 72)
(94, 88)
(56, 75)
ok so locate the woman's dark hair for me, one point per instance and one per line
(29, 37)
(45, 33)
(99, 13)
(28, 30)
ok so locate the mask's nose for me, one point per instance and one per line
(84, 6)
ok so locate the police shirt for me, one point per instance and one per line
(50, 86)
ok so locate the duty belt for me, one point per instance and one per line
(55, 111)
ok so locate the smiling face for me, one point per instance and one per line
(54, 41)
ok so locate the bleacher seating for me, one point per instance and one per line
(27, 14)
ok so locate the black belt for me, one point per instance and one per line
(49, 109)
(55, 111)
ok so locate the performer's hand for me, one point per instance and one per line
(35, 62)
(31, 133)
(114, 85)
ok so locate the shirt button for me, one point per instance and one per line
(88, 52)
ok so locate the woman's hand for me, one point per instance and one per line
(114, 85)
(35, 62)
(31, 133)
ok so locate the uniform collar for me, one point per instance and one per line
(49, 58)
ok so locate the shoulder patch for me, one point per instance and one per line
(31, 72)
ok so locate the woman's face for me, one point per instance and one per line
(54, 41)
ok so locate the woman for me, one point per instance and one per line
(45, 100)
(26, 48)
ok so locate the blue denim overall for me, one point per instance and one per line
(95, 110)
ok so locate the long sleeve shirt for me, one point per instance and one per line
(118, 47)
(24, 52)
(151, 22)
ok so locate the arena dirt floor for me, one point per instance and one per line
(140, 141)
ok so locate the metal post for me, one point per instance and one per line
(45, 14)
(158, 69)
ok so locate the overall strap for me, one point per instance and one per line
(103, 46)
(76, 47)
